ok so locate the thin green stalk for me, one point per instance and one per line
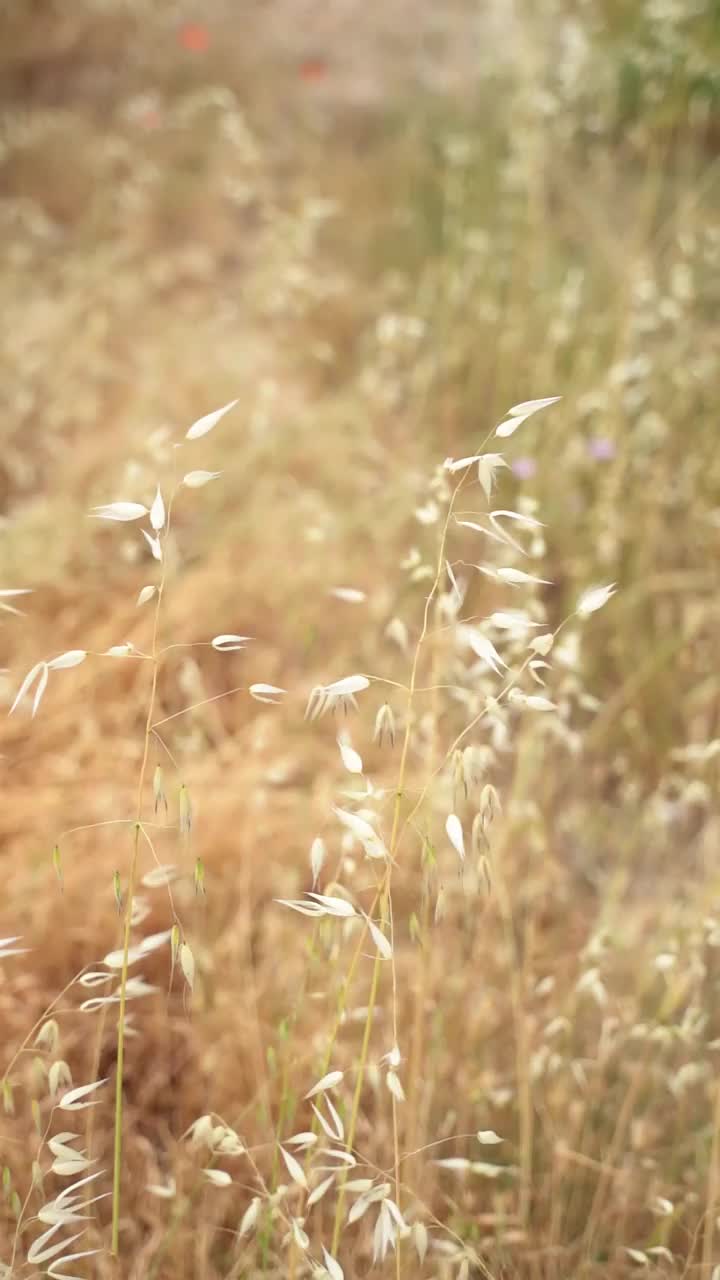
(117, 1153)
(117, 1157)
(37, 1025)
(418, 1025)
(28, 1195)
(356, 1096)
(713, 1189)
(385, 888)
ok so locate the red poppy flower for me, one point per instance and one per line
(194, 37)
(313, 69)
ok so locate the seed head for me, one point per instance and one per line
(385, 725)
(184, 811)
(159, 789)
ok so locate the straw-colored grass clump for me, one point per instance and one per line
(359, 823)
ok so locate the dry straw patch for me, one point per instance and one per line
(503, 1004)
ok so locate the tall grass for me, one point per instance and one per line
(461, 689)
(502, 1004)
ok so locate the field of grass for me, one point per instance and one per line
(376, 233)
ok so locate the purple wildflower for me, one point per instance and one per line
(601, 449)
(524, 468)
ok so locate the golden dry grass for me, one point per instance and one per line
(377, 273)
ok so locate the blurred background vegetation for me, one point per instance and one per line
(379, 230)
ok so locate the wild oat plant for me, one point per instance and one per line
(343, 1182)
